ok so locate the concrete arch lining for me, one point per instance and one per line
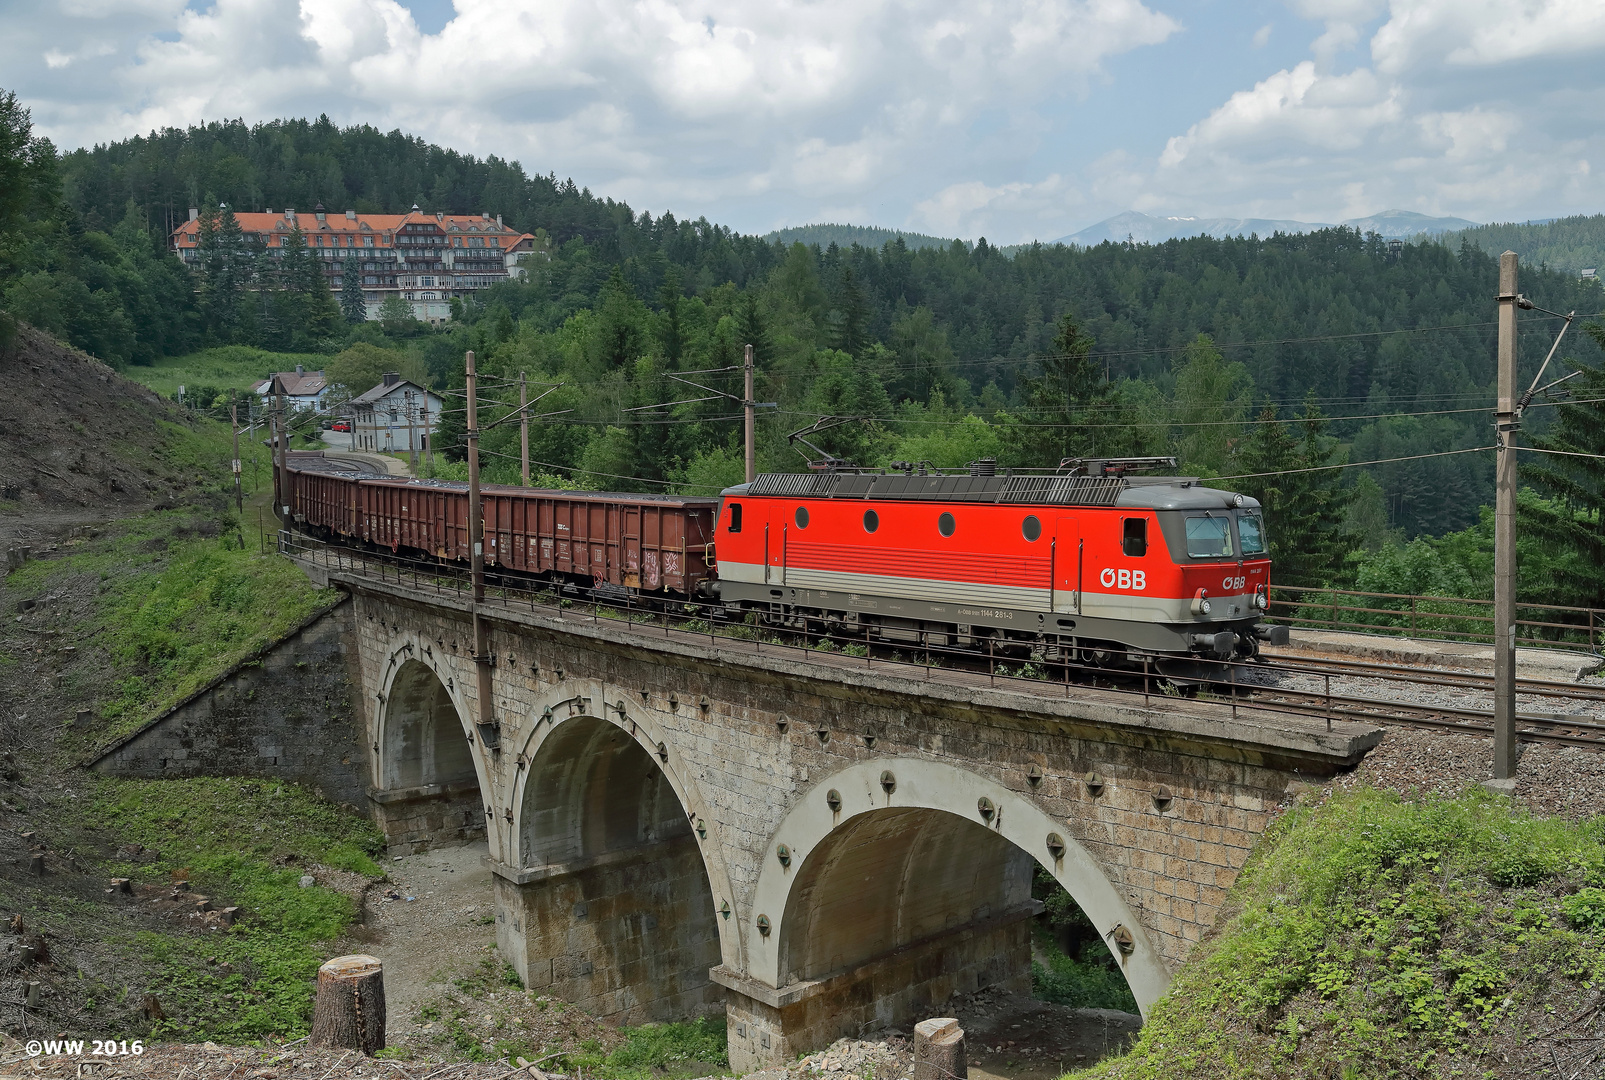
(576, 716)
(922, 785)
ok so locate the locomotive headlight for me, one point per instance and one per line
(1237, 500)
(1203, 607)
(1201, 603)
(1260, 599)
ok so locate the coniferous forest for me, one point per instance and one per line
(1244, 357)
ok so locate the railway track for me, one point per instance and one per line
(1575, 726)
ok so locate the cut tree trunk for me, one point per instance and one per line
(350, 1009)
(939, 1050)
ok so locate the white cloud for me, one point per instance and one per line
(649, 99)
(1466, 107)
(972, 208)
(950, 116)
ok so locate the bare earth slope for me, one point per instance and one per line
(75, 440)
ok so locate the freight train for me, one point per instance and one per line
(1094, 563)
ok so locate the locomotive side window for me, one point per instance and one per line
(1208, 538)
(1252, 535)
(735, 517)
(945, 525)
(1031, 528)
(872, 521)
(1134, 537)
(802, 517)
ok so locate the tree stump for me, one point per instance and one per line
(349, 1013)
(939, 1050)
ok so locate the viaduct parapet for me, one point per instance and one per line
(679, 823)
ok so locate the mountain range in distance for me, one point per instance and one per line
(1572, 243)
(1141, 228)
(1144, 229)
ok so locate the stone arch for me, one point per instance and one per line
(614, 848)
(900, 851)
(423, 739)
(430, 783)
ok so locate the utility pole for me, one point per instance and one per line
(749, 407)
(523, 426)
(412, 438)
(488, 735)
(234, 425)
(283, 485)
(429, 443)
(1506, 423)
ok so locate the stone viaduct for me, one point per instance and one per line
(678, 824)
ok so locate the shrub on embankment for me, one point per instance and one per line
(1373, 936)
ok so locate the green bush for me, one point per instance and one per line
(1385, 937)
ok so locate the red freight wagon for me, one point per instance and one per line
(647, 543)
(650, 543)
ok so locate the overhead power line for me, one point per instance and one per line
(1352, 464)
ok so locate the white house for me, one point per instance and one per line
(303, 389)
(397, 415)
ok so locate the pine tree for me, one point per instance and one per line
(353, 305)
(1304, 511)
(1067, 406)
(1212, 400)
(1573, 518)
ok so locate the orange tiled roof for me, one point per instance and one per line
(343, 230)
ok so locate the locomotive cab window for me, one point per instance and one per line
(1134, 537)
(1208, 538)
(1251, 534)
(735, 517)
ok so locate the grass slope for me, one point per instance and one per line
(228, 367)
(1371, 936)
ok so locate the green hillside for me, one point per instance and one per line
(870, 236)
(1570, 244)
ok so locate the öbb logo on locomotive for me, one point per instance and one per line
(1096, 561)
(1123, 579)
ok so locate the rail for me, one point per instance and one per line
(1448, 618)
(1228, 688)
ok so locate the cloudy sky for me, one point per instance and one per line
(1011, 119)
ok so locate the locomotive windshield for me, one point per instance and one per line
(1251, 534)
(1209, 538)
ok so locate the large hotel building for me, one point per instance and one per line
(426, 259)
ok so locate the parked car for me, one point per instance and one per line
(340, 425)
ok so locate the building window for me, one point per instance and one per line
(367, 241)
(429, 282)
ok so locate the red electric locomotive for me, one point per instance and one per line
(1087, 562)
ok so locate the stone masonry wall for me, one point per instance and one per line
(753, 738)
(631, 937)
(289, 715)
(894, 991)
